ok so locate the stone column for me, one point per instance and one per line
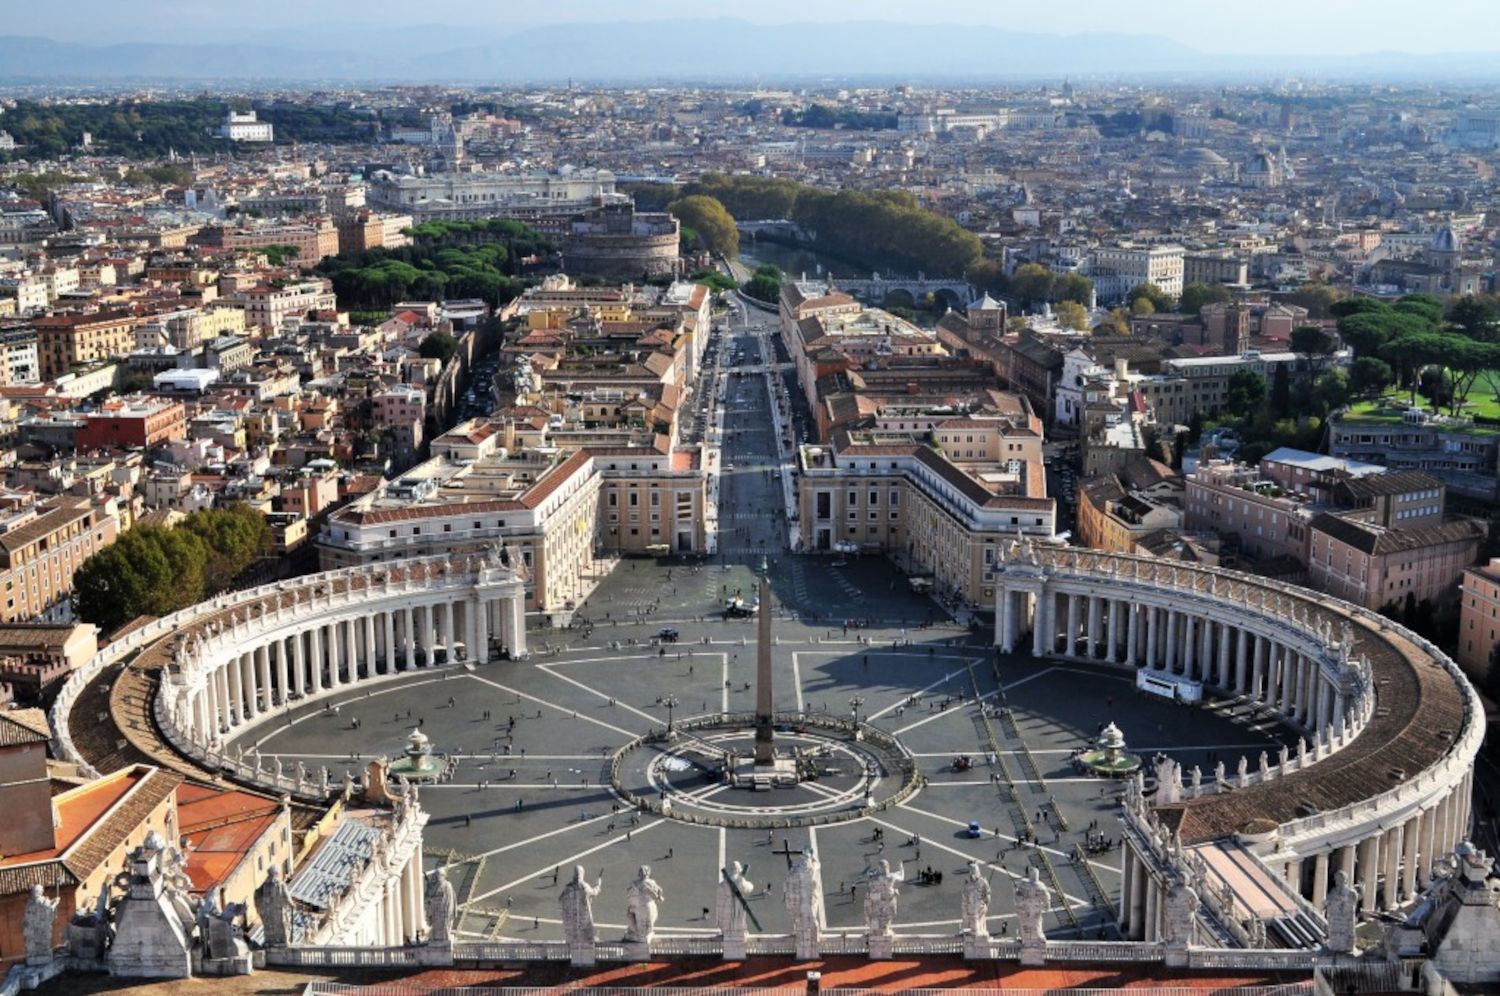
(1038, 623)
(1070, 640)
(409, 637)
(448, 632)
(1002, 619)
(369, 648)
(480, 611)
(1369, 875)
(1091, 640)
(1132, 631)
(1320, 880)
(1153, 913)
(1258, 670)
(1346, 863)
(1304, 688)
(1127, 883)
(1241, 660)
(1427, 845)
(235, 668)
(1169, 659)
(517, 608)
(316, 643)
(1112, 631)
(1190, 659)
(389, 650)
(226, 708)
(299, 664)
(263, 667)
(1152, 612)
(1409, 859)
(1390, 848)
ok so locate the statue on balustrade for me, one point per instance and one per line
(734, 890)
(976, 903)
(273, 904)
(1033, 899)
(802, 894)
(36, 926)
(577, 902)
(881, 898)
(1341, 911)
(1182, 909)
(441, 907)
(640, 909)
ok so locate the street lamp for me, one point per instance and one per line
(670, 701)
(855, 701)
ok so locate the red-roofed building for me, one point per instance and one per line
(232, 839)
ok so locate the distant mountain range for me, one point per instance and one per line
(687, 50)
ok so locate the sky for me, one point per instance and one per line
(1334, 27)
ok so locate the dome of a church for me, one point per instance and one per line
(1446, 240)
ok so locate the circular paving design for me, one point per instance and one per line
(704, 773)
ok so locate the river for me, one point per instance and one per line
(795, 262)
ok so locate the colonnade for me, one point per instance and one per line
(1299, 655)
(1268, 664)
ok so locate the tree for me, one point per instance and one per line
(1031, 283)
(1073, 287)
(1281, 391)
(1369, 376)
(1072, 315)
(1160, 299)
(707, 217)
(1423, 305)
(1114, 323)
(1318, 299)
(1475, 317)
(989, 276)
(1196, 295)
(765, 284)
(1332, 390)
(1408, 354)
(438, 346)
(1313, 344)
(1142, 306)
(1247, 389)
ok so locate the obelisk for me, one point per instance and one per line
(764, 754)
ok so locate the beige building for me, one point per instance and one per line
(1372, 565)
(886, 493)
(265, 305)
(1479, 618)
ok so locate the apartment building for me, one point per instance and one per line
(1479, 618)
(132, 422)
(1463, 455)
(64, 341)
(43, 545)
(1118, 270)
(266, 305)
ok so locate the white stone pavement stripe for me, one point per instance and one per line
(902, 701)
(569, 861)
(797, 679)
(958, 709)
(560, 709)
(618, 704)
(969, 857)
(541, 836)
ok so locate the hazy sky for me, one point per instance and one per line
(1265, 26)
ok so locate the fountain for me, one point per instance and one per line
(1109, 758)
(416, 763)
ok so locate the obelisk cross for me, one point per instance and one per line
(765, 753)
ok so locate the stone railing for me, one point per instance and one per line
(351, 957)
(1254, 959)
(1105, 951)
(505, 950)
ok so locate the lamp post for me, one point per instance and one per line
(670, 701)
(855, 701)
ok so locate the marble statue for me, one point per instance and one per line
(1033, 899)
(976, 903)
(1197, 780)
(1341, 911)
(301, 774)
(802, 895)
(1243, 771)
(1182, 907)
(729, 910)
(273, 903)
(1265, 765)
(348, 783)
(1257, 932)
(441, 906)
(278, 767)
(641, 898)
(1301, 751)
(36, 926)
(1219, 774)
(1283, 755)
(577, 902)
(323, 780)
(882, 898)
